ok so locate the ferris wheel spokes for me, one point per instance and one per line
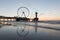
(23, 14)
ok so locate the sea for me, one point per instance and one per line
(30, 31)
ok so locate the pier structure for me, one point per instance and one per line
(22, 19)
(22, 16)
(7, 20)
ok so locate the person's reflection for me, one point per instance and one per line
(36, 24)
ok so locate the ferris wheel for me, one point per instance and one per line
(23, 12)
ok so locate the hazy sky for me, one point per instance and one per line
(47, 9)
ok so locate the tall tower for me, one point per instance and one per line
(36, 18)
(36, 14)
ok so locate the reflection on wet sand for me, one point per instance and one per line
(22, 31)
(25, 36)
(35, 24)
(27, 31)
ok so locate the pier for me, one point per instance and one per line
(7, 20)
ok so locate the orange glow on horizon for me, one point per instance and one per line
(49, 18)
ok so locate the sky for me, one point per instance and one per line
(47, 9)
